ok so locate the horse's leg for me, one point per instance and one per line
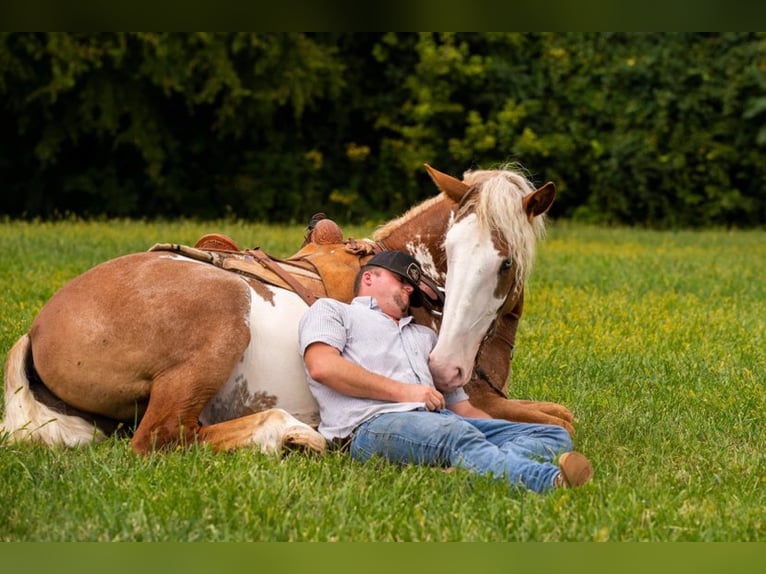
(272, 430)
(172, 415)
(180, 392)
(543, 412)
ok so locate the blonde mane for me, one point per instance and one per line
(498, 207)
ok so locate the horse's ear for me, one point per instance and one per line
(453, 188)
(540, 200)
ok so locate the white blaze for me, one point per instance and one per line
(471, 305)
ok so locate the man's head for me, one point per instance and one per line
(402, 265)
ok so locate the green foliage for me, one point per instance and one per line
(654, 339)
(147, 124)
(649, 129)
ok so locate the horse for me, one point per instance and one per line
(498, 218)
(173, 351)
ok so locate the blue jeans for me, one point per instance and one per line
(521, 453)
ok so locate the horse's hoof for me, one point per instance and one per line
(302, 439)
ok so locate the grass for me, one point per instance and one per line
(655, 340)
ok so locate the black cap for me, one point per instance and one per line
(403, 265)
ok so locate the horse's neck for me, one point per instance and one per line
(423, 227)
(496, 352)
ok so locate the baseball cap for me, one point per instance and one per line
(403, 265)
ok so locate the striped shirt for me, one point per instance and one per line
(362, 333)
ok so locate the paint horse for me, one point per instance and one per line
(494, 228)
(178, 351)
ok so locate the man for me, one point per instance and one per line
(367, 366)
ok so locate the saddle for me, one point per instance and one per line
(325, 265)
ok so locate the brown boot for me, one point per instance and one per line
(576, 470)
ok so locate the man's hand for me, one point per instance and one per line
(432, 398)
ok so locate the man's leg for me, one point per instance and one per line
(537, 441)
(441, 439)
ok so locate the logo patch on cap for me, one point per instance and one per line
(413, 273)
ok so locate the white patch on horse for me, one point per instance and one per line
(271, 373)
(424, 256)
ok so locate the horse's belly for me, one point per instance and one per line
(271, 373)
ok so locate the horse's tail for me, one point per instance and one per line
(26, 418)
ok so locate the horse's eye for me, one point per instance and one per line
(506, 264)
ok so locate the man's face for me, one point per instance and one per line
(391, 291)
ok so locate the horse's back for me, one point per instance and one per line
(103, 339)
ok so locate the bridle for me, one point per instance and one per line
(494, 334)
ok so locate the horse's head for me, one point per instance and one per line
(489, 247)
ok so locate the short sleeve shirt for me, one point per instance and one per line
(363, 334)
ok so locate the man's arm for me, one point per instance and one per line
(326, 365)
(466, 409)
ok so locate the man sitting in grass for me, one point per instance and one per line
(367, 366)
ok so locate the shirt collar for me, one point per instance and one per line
(371, 303)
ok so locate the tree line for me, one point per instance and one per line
(652, 129)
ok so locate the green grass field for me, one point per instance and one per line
(655, 340)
